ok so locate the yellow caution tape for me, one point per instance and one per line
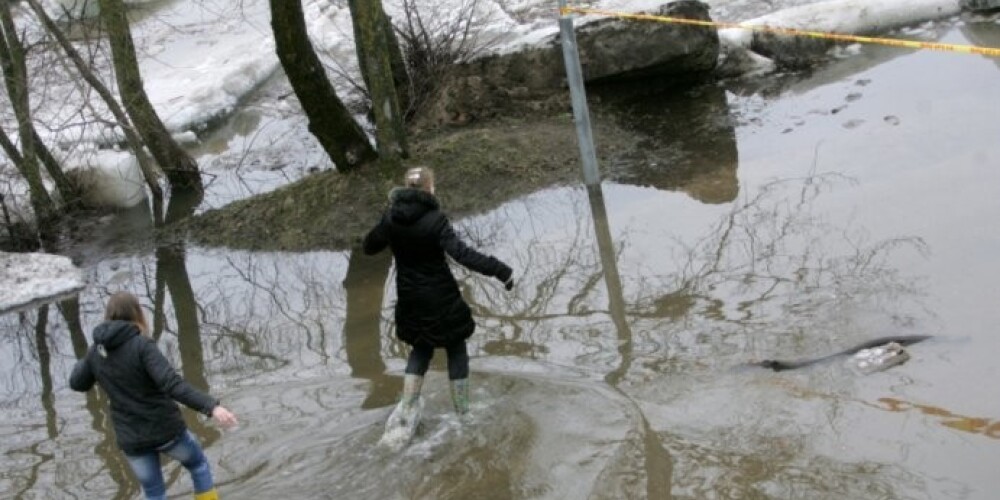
(892, 42)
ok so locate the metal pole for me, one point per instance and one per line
(581, 115)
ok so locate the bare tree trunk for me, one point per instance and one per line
(16, 80)
(134, 141)
(181, 170)
(373, 37)
(9, 148)
(8, 222)
(329, 120)
(400, 75)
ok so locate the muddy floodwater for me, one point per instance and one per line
(787, 217)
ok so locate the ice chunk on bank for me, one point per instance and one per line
(108, 178)
(29, 279)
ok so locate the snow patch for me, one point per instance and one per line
(846, 16)
(108, 178)
(29, 279)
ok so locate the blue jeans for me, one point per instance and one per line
(186, 450)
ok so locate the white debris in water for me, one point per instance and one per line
(878, 358)
(27, 279)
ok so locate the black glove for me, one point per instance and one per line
(506, 275)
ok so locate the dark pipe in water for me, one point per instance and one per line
(779, 365)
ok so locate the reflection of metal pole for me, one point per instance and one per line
(658, 463)
(616, 298)
(581, 115)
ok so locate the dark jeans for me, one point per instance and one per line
(458, 360)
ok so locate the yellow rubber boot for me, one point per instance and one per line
(211, 494)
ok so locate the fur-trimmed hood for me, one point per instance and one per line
(410, 204)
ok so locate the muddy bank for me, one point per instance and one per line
(479, 167)
(491, 161)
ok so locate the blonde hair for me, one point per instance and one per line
(125, 307)
(419, 177)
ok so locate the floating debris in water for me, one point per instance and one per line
(879, 358)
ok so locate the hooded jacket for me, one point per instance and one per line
(141, 385)
(429, 308)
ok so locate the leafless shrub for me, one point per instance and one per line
(434, 37)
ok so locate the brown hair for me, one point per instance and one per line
(419, 177)
(125, 307)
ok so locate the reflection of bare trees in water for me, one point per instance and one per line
(88, 472)
(773, 263)
(40, 357)
(641, 448)
(365, 284)
(32, 346)
(98, 408)
(272, 310)
(559, 281)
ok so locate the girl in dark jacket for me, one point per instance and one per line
(143, 387)
(430, 311)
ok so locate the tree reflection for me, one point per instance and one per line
(172, 275)
(770, 268)
(364, 285)
(97, 406)
(772, 262)
(44, 360)
(561, 280)
(36, 448)
(275, 309)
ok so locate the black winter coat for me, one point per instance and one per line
(141, 384)
(429, 308)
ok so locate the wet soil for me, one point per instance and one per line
(478, 166)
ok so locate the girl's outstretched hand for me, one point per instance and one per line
(224, 417)
(506, 275)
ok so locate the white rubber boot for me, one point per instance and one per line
(402, 423)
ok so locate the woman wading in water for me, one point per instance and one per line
(143, 388)
(430, 311)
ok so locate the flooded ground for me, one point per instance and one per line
(785, 218)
